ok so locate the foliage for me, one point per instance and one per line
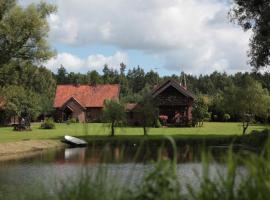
(158, 124)
(226, 117)
(114, 112)
(247, 101)
(48, 124)
(23, 32)
(159, 184)
(21, 102)
(199, 111)
(147, 110)
(36, 79)
(71, 121)
(254, 15)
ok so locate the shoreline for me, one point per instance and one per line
(19, 149)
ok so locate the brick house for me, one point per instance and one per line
(83, 102)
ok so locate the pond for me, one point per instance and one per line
(124, 163)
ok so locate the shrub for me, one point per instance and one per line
(226, 117)
(48, 124)
(215, 117)
(72, 121)
(158, 124)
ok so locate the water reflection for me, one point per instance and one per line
(122, 161)
(75, 154)
(120, 154)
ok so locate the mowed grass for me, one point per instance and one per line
(210, 129)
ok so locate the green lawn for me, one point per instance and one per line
(209, 129)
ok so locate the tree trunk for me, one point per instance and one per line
(112, 129)
(144, 131)
(245, 126)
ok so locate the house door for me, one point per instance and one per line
(67, 114)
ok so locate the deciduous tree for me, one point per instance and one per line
(114, 112)
(247, 101)
(255, 15)
(23, 32)
(147, 110)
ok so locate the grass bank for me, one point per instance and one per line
(101, 130)
(18, 149)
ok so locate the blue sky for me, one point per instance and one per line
(194, 36)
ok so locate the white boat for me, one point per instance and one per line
(74, 141)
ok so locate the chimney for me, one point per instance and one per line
(185, 82)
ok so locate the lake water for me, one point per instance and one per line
(127, 164)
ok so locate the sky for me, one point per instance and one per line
(167, 36)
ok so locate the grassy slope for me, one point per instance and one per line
(208, 130)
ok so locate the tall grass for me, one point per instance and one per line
(247, 176)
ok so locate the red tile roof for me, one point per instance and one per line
(86, 95)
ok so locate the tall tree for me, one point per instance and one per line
(23, 32)
(255, 15)
(136, 78)
(93, 77)
(122, 69)
(152, 78)
(61, 75)
(147, 110)
(123, 81)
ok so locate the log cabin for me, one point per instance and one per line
(174, 103)
(83, 102)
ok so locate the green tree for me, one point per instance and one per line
(114, 112)
(147, 110)
(136, 79)
(247, 101)
(23, 32)
(255, 15)
(61, 75)
(20, 102)
(123, 81)
(152, 78)
(199, 111)
(37, 79)
(93, 77)
(122, 69)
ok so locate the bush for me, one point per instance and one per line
(215, 117)
(72, 121)
(158, 124)
(226, 117)
(48, 124)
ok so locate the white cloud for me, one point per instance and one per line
(191, 35)
(92, 62)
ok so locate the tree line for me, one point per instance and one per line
(225, 96)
